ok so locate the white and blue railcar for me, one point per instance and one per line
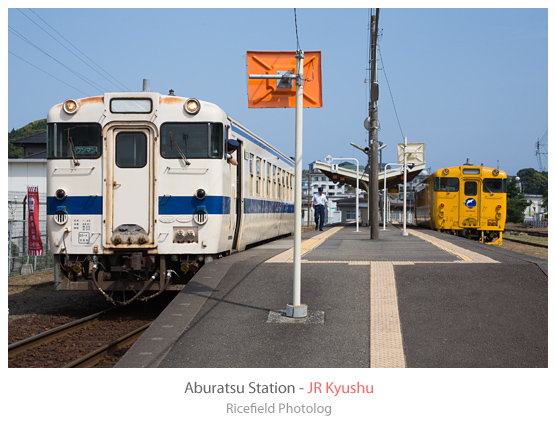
(141, 191)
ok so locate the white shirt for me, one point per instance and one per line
(319, 199)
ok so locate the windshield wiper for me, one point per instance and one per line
(72, 149)
(172, 143)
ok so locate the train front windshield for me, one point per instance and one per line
(70, 140)
(494, 185)
(193, 140)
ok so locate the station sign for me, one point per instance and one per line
(415, 153)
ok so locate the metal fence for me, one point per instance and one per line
(536, 223)
(19, 262)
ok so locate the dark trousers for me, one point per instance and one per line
(319, 217)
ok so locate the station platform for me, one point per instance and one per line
(424, 300)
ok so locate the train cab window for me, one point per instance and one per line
(74, 140)
(192, 140)
(470, 188)
(131, 150)
(495, 186)
(446, 184)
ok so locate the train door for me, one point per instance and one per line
(470, 208)
(237, 203)
(129, 186)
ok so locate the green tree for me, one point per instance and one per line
(28, 130)
(532, 181)
(516, 204)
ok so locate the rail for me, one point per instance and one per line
(53, 334)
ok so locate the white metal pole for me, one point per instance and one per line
(384, 197)
(357, 194)
(297, 310)
(404, 233)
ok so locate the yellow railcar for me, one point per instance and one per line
(469, 201)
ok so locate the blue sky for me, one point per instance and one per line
(470, 83)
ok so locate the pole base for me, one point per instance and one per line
(405, 234)
(296, 311)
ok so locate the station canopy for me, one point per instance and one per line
(394, 176)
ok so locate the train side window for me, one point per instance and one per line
(494, 186)
(279, 186)
(131, 150)
(470, 188)
(258, 189)
(446, 184)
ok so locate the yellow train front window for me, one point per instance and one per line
(446, 184)
(495, 186)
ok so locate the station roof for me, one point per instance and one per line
(394, 177)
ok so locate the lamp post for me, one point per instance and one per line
(384, 195)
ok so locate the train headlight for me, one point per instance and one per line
(446, 171)
(200, 194)
(192, 106)
(61, 194)
(496, 172)
(71, 106)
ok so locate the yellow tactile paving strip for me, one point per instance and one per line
(465, 255)
(306, 246)
(386, 333)
(386, 336)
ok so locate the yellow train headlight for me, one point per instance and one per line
(496, 172)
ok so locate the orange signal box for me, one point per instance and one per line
(280, 93)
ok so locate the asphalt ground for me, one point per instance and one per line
(423, 300)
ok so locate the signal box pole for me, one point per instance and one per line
(278, 97)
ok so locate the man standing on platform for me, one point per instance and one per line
(319, 202)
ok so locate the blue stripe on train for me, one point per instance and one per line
(169, 205)
(75, 205)
(173, 204)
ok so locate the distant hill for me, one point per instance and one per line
(29, 129)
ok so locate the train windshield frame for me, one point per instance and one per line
(74, 140)
(495, 185)
(446, 184)
(193, 140)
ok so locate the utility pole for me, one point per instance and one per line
(373, 132)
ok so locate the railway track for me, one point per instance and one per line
(60, 338)
(53, 334)
(97, 340)
(511, 234)
(518, 231)
(96, 356)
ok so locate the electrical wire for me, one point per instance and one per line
(22, 37)
(390, 90)
(296, 34)
(114, 80)
(54, 77)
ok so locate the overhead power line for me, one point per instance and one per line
(47, 73)
(114, 81)
(22, 37)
